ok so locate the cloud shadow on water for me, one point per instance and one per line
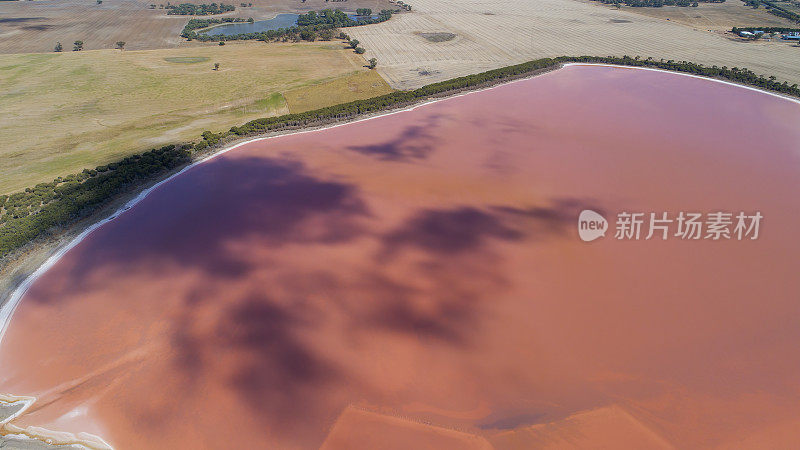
(414, 142)
(282, 374)
(468, 228)
(193, 220)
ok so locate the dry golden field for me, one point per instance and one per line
(36, 26)
(496, 33)
(341, 90)
(74, 110)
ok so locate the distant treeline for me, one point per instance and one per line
(774, 9)
(189, 9)
(32, 213)
(311, 26)
(735, 74)
(737, 30)
(657, 3)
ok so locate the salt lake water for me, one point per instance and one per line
(419, 275)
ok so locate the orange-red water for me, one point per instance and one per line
(426, 265)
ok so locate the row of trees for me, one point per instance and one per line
(353, 43)
(774, 9)
(737, 30)
(41, 209)
(36, 211)
(310, 27)
(735, 74)
(658, 3)
(400, 98)
(189, 9)
(78, 46)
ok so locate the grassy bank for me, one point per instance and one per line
(48, 208)
(96, 107)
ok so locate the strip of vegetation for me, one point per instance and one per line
(657, 3)
(189, 9)
(40, 210)
(311, 26)
(32, 213)
(767, 30)
(375, 104)
(774, 9)
(735, 74)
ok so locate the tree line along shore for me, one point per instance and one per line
(48, 209)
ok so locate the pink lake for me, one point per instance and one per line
(416, 280)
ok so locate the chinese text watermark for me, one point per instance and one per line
(683, 225)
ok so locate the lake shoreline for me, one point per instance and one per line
(19, 267)
(25, 262)
(77, 232)
(36, 258)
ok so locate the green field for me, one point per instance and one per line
(74, 110)
(359, 86)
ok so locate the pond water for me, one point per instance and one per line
(279, 21)
(260, 26)
(420, 273)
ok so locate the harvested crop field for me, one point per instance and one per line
(36, 26)
(715, 16)
(31, 27)
(496, 33)
(97, 106)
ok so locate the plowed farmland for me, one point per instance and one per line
(495, 33)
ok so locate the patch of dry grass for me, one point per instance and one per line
(74, 110)
(360, 85)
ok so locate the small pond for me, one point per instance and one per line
(279, 21)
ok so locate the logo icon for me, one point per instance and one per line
(591, 225)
